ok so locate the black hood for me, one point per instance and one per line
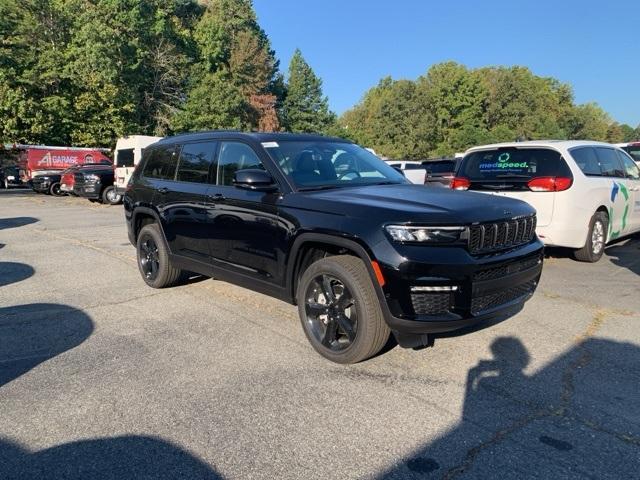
(415, 204)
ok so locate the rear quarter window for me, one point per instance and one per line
(524, 163)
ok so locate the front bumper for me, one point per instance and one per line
(481, 288)
(42, 186)
(91, 191)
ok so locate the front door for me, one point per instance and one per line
(633, 188)
(247, 234)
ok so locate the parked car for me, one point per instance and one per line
(440, 172)
(586, 194)
(67, 178)
(96, 184)
(10, 177)
(413, 170)
(633, 149)
(48, 183)
(361, 251)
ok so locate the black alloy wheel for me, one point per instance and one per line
(331, 314)
(149, 258)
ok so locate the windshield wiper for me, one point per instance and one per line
(385, 183)
(318, 187)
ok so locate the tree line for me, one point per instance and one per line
(85, 72)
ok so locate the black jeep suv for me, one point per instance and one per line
(322, 223)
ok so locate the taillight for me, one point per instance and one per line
(460, 183)
(549, 184)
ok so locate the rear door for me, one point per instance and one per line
(632, 172)
(508, 171)
(183, 206)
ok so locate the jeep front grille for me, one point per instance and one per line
(490, 237)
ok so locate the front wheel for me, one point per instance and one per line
(153, 258)
(110, 196)
(55, 190)
(340, 311)
(596, 239)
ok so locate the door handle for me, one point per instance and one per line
(218, 197)
(162, 190)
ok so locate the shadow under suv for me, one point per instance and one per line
(324, 224)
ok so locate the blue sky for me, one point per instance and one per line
(351, 44)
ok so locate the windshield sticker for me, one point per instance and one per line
(270, 144)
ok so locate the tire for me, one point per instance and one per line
(324, 324)
(596, 239)
(153, 258)
(55, 190)
(110, 197)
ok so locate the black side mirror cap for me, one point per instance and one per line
(254, 179)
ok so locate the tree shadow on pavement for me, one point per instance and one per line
(16, 222)
(13, 272)
(578, 417)
(129, 457)
(34, 333)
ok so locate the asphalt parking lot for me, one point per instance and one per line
(103, 377)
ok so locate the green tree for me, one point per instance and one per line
(628, 133)
(234, 57)
(588, 122)
(305, 107)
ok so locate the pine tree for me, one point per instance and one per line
(305, 108)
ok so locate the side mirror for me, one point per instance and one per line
(254, 179)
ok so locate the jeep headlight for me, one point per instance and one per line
(406, 233)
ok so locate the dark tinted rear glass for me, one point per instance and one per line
(160, 163)
(195, 161)
(440, 167)
(513, 163)
(634, 151)
(125, 157)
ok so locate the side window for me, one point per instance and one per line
(587, 160)
(161, 163)
(610, 165)
(195, 162)
(124, 157)
(235, 156)
(630, 167)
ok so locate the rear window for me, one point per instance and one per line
(160, 163)
(513, 163)
(634, 151)
(440, 167)
(124, 157)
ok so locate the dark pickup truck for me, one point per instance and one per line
(96, 184)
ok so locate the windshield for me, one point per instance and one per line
(325, 164)
(513, 163)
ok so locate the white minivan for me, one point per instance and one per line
(586, 193)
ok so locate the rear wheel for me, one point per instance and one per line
(340, 311)
(596, 239)
(110, 196)
(153, 258)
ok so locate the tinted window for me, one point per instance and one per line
(125, 157)
(587, 160)
(161, 163)
(440, 167)
(524, 163)
(630, 167)
(195, 161)
(610, 165)
(235, 156)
